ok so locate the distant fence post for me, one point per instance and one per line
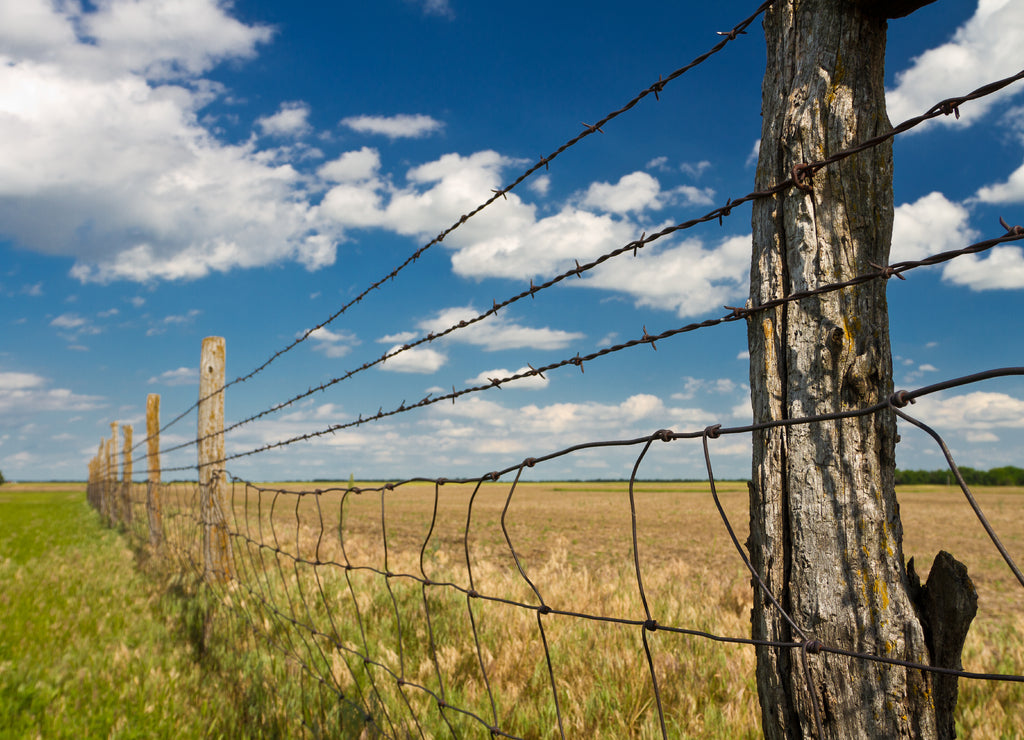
(92, 490)
(153, 504)
(126, 474)
(99, 495)
(113, 504)
(212, 483)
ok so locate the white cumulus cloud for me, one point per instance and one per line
(975, 414)
(28, 394)
(986, 47)
(1000, 268)
(436, 7)
(543, 247)
(435, 195)
(687, 278)
(103, 157)
(19, 381)
(637, 191)
(361, 165)
(1010, 191)
(179, 376)
(292, 119)
(934, 224)
(929, 225)
(333, 344)
(402, 126)
(532, 382)
(416, 360)
(497, 331)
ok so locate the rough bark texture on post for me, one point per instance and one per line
(825, 528)
(153, 504)
(212, 482)
(126, 473)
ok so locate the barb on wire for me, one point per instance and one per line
(545, 161)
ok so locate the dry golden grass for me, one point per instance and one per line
(574, 545)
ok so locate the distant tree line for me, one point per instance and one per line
(1005, 476)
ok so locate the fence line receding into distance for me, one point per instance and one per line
(300, 560)
(430, 604)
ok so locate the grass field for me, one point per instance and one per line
(97, 639)
(91, 646)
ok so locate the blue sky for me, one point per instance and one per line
(174, 169)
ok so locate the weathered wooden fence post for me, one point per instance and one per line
(126, 474)
(212, 477)
(153, 503)
(113, 500)
(99, 494)
(90, 489)
(825, 527)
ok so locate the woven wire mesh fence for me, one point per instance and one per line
(490, 605)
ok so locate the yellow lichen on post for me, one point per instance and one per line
(153, 504)
(212, 477)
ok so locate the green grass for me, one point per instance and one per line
(89, 648)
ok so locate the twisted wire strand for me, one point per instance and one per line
(588, 130)
(735, 314)
(945, 107)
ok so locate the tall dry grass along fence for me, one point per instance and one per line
(434, 607)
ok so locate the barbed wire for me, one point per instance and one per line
(736, 313)
(797, 179)
(589, 129)
(286, 587)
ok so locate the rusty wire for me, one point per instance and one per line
(735, 313)
(301, 623)
(797, 180)
(545, 162)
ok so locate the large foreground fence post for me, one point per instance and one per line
(154, 506)
(212, 477)
(826, 534)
